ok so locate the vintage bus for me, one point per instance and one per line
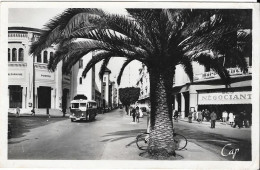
(83, 110)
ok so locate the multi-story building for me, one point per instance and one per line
(207, 90)
(114, 94)
(106, 89)
(30, 83)
(144, 84)
(83, 86)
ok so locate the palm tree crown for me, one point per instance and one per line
(160, 39)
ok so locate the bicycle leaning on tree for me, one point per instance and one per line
(142, 141)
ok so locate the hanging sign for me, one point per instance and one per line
(242, 97)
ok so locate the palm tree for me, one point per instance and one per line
(159, 38)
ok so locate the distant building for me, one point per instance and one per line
(106, 88)
(144, 84)
(83, 86)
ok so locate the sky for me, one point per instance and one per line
(37, 17)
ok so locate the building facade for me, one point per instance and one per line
(144, 84)
(83, 86)
(30, 83)
(207, 90)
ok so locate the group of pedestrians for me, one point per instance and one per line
(135, 112)
(241, 119)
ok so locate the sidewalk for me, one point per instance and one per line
(126, 148)
(219, 124)
(39, 113)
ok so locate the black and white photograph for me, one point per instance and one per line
(158, 84)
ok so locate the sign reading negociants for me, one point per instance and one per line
(242, 97)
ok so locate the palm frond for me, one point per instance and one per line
(53, 30)
(103, 67)
(95, 59)
(208, 58)
(186, 63)
(122, 70)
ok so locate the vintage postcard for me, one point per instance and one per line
(129, 85)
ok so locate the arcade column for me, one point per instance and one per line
(182, 105)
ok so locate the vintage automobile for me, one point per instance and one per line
(83, 110)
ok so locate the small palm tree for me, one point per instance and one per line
(159, 38)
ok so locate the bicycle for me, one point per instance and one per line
(142, 141)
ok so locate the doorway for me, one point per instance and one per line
(44, 97)
(15, 96)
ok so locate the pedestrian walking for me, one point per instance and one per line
(133, 114)
(231, 118)
(207, 115)
(244, 119)
(199, 116)
(224, 116)
(190, 116)
(213, 117)
(18, 112)
(203, 114)
(238, 121)
(176, 115)
(137, 114)
(33, 112)
(48, 112)
(194, 115)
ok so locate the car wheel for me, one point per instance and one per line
(72, 120)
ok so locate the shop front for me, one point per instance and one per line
(230, 101)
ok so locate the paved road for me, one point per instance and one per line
(88, 140)
(73, 140)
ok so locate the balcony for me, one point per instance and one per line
(212, 75)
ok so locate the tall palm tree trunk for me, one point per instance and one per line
(161, 130)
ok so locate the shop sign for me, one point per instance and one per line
(16, 74)
(44, 75)
(243, 97)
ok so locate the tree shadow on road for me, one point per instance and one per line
(119, 135)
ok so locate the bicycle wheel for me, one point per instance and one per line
(142, 141)
(180, 140)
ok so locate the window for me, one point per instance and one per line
(39, 58)
(75, 105)
(51, 54)
(104, 79)
(80, 63)
(9, 54)
(45, 59)
(14, 54)
(21, 54)
(83, 104)
(207, 68)
(80, 80)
